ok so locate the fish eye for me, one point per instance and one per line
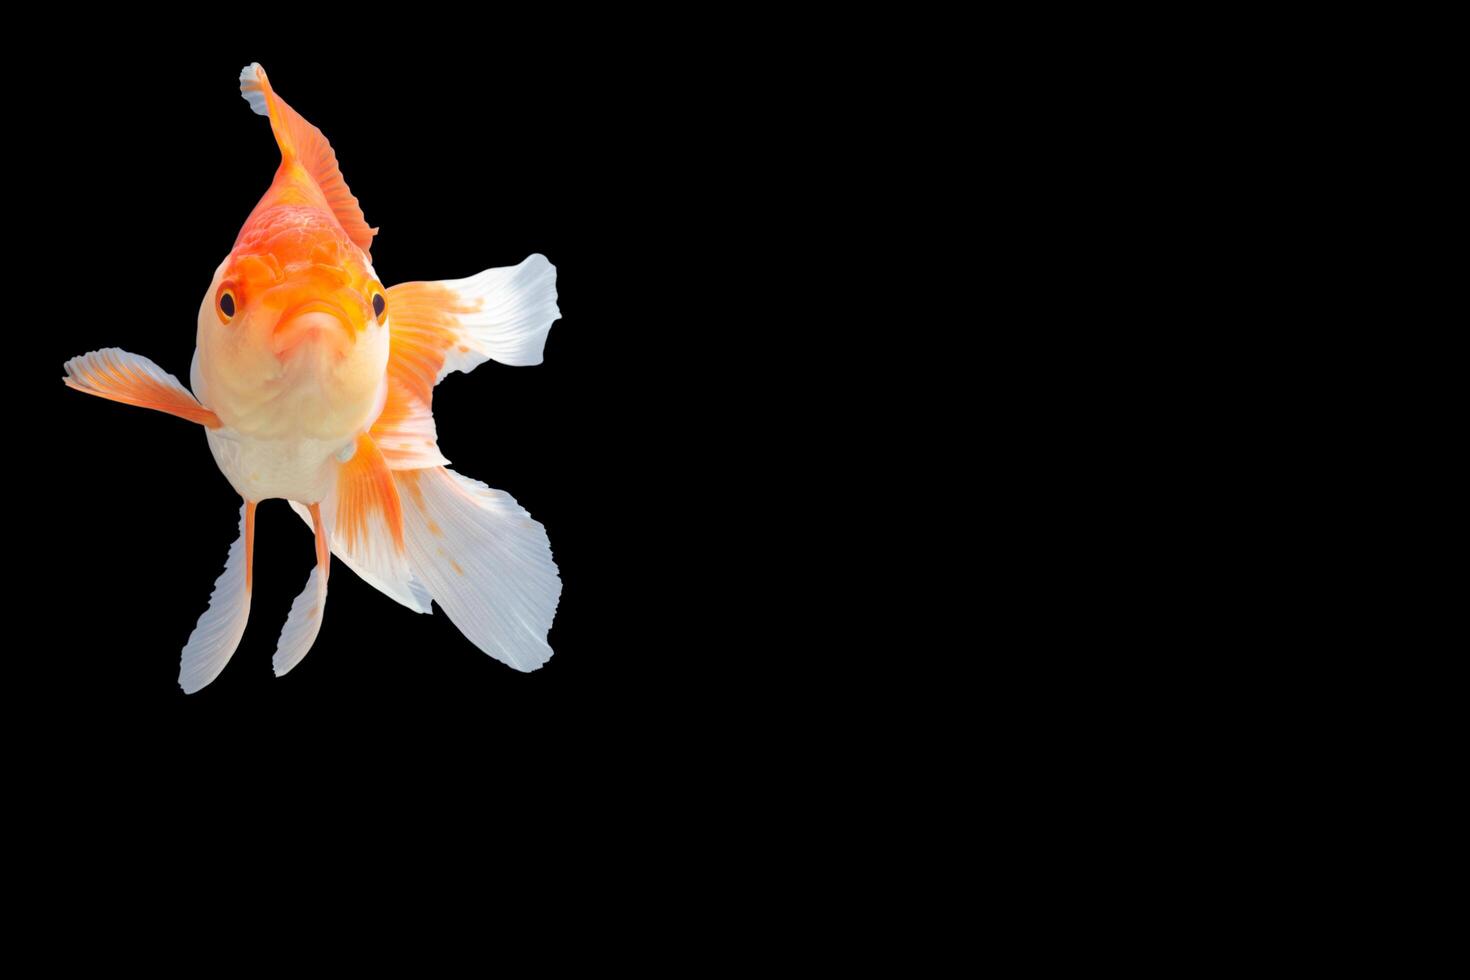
(380, 305)
(224, 303)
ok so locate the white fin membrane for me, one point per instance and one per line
(485, 561)
(517, 309)
(405, 432)
(133, 380)
(218, 632)
(252, 91)
(395, 581)
(303, 624)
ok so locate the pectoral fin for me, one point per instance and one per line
(122, 377)
(502, 314)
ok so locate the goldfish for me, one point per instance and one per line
(314, 383)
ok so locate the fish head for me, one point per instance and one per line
(294, 305)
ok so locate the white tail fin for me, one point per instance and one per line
(472, 549)
(485, 561)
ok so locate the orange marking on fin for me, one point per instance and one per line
(366, 492)
(410, 479)
(323, 550)
(424, 323)
(107, 375)
(249, 542)
(303, 146)
(402, 417)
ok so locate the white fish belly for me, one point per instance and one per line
(301, 469)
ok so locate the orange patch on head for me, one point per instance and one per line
(457, 569)
(278, 235)
(295, 257)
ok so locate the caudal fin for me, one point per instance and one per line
(115, 374)
(471, 549)
(485, 561)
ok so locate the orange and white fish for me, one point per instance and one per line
(314, 383)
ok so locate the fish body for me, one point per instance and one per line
(293, 390)
(314, 384)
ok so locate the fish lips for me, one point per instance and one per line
(318, 324)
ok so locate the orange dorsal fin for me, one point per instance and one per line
(302, 143)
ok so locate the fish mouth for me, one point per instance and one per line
(319, 322)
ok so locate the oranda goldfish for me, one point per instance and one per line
(314, 383)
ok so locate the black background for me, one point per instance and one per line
(624, 178)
